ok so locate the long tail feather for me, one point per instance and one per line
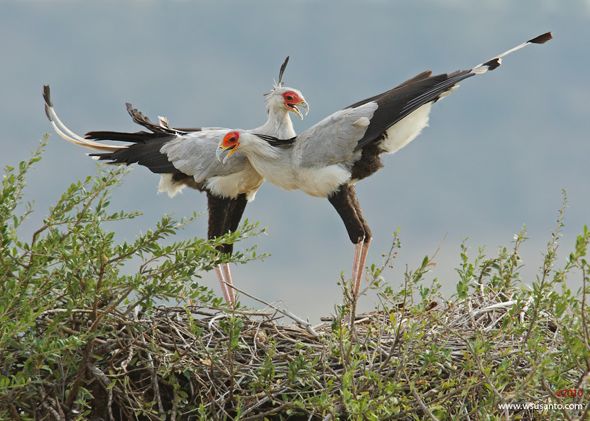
(65, 133)
(442, 89)
(497, 60)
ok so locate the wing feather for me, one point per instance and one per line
(333, 140)
(194, 154)
(425, 74)
(340, 137)
(396, 104)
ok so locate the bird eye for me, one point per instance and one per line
(289, 98)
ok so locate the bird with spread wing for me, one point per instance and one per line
(330, 157)
(186, 157)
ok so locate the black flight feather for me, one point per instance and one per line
(399, 102)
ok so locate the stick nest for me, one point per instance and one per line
(204, 363)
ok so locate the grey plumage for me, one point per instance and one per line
(194, 154)
(334, 139)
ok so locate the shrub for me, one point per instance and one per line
(95, 328)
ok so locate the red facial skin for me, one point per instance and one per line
(230, 140)
(292, 98)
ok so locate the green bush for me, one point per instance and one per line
(73, 271)
(95, 328)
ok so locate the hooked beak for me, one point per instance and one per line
(295, 108)
(223, 153)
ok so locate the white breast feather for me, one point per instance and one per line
(232, 185)
(277, 172)
(314, 181)
(321, 182)
(168, 185)
(403, 132)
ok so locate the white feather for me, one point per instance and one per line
(232, 185)
(281, 170)
(321, 182)
(169, 186)
(163, 121)
(406, 130)
(65, 133)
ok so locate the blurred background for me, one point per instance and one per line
(495, 157)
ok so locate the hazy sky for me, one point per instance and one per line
(495, 156)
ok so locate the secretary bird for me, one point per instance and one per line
(327, 159)
(186, 157)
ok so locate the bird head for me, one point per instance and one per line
(228, 146)
(287, 99)
(251, 144)
(282, 98)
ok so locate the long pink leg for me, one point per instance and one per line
(358, 266)
(230, 282)
(224, 287)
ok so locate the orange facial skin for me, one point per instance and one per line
(227, 146)
(231, 140)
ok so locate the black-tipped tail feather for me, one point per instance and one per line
(399, 102)
(493, 64)
(541, 39)
(47, 98)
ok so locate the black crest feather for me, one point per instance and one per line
(282, 71)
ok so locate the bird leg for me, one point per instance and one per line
(224, 216)
(229, 282)
(224, 288)
(365, 243)
(234, 213)
(357, 268)
(218, 210)
(345, 202)
(360, 257)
